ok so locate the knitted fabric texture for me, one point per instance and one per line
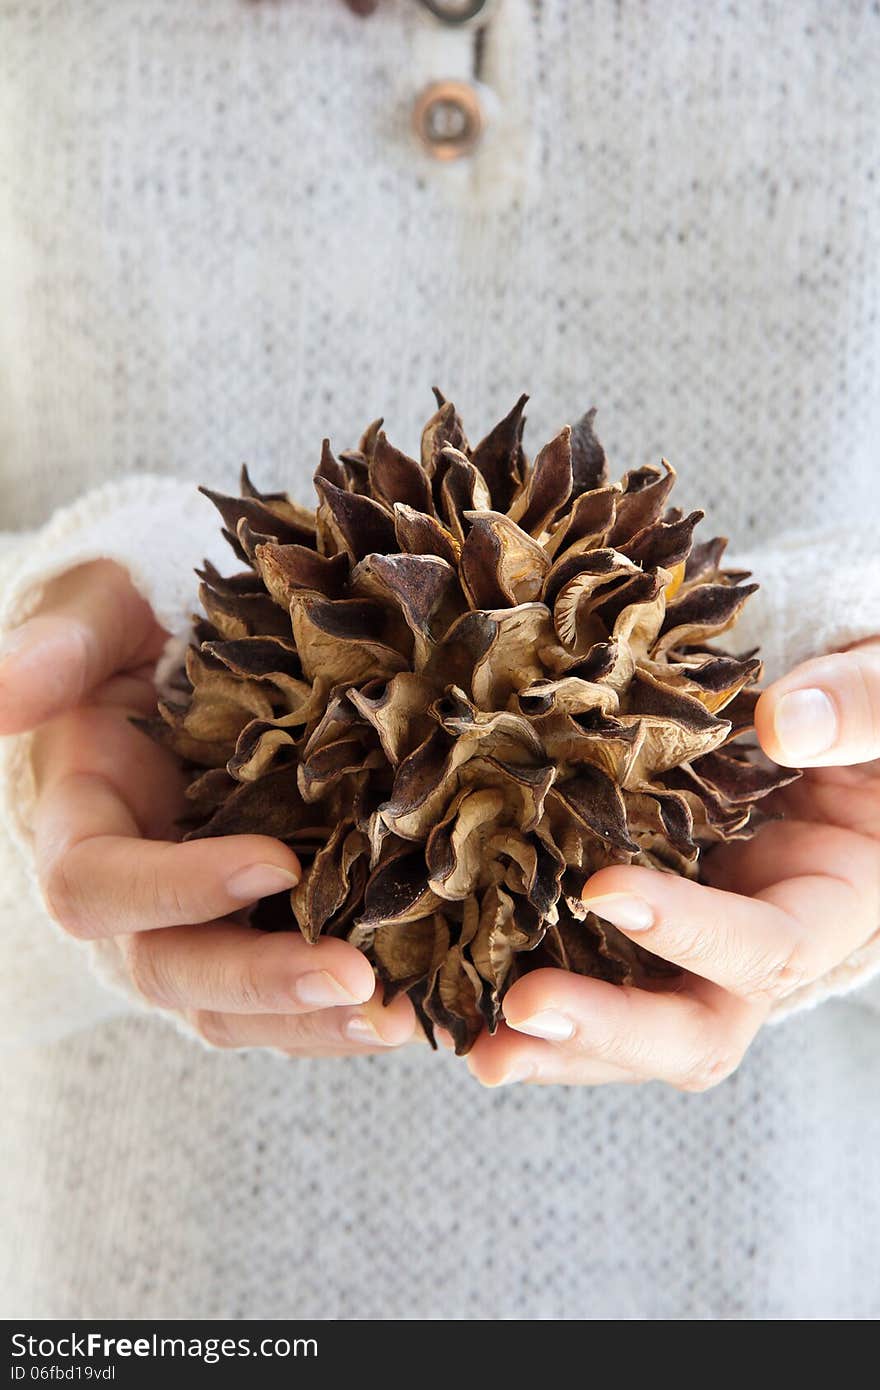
(221, 242)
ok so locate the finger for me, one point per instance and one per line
(92, 623)
(507, 1057)
(692, 1039)
(133, 693)
(328, 1032)
(787, 849)
(223, 967)
(98, 879)
(760, 948)
(101, 742)
(826, 713)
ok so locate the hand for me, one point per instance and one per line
(106, 858)
(778, 913)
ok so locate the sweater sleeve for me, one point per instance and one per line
(158, 529)
(820, 592)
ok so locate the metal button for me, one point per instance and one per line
(455, 11)
(448, 119)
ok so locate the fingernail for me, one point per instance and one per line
(361, 1030)
(806, 724)
(622, 910)
(260, 881)
(320, 990)
(549, 1024)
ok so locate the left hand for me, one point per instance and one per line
(783, 910)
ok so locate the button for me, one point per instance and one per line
(455, 11)
(448, 120)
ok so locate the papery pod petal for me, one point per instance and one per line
(500, 734)
(394, 477)
(406, 955)
(398, 710)
(704, 562)
(444, 429)
(713, 680)
(654, 813)
(465, 643)
(595, 568)
(738, 780)
(415, 585)
(270, 806)
(340, 641)
(328, 765)
(643, 501)
(703, 612)
(462, 491)
(589, 523)
(499, 457)
(288, 569)
(325, 887)
(589, 465)
(283, 521)
(455, 850)
(495, 947)
(453, 1002)
(500, 563)
(547, 488)
(570, 695)
(167, 728)
(664, 543)
(423, 784)
(398, 892)
(418, 534)
(512, 659)
(330, 469)
(258, 658)
(259, 746)
(242, 615)
(596, 802)
(363, 525)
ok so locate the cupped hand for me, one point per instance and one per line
(777, 914)
(108, 861)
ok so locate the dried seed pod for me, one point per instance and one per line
(457, 690)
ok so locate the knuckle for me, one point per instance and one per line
(709, 1070)
(682, 942)
(150, 894)
(159, 895)
(213, 1028)
(606, 1047)
(249, 991)
(62, 897)
(777, 976)
(141, 963)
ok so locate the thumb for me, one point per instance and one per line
(825, 713)
(91, 623)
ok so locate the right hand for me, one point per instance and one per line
(108, 862)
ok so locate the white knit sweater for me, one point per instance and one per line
(219, 241)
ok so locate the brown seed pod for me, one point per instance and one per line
(459, 688)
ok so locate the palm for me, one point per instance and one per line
(110, 745)
(828, 823)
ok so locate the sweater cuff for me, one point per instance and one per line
(820, 592)
(158, 529)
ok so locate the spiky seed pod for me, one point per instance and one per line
(459, 688)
